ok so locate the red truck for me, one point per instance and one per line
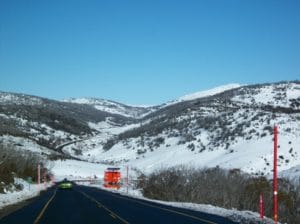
(112, 178)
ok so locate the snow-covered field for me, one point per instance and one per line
(251, 156)
(73, 169)
(25, 144)
(292, 173)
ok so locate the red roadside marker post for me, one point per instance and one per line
(261, 207)
(275, 187)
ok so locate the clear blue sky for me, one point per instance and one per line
(145, 52)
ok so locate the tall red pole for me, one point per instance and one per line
(275, 190)
(39, 174)
(261, 207)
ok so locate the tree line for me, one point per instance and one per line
(223, 188)
(18, 164)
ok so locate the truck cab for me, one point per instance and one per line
(112, 178)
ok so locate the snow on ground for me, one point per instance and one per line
(106, 127)
(267, 95)
(234, 215)
(251, 156)
(292, 173)
(101, 104)
(202, 94)
(91, 148)
(238, 216)
(210, 92)
(29, 191)
(13, 98)
(73, 169)
(25, 144)
(293, 92)
(112, 107)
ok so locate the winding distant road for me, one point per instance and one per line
(90, 205)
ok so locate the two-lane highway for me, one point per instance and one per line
(91, 205)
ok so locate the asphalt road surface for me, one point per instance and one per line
(90, 205)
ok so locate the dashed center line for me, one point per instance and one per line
(111, 213)
(166, 209)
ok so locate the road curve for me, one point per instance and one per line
(90, 205)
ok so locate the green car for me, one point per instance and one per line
(65, 185)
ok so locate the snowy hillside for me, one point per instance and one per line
(51, 123)
(19, 99)
(229, 126)
(231, 129)
(292, 173)
(280, 95)
(113, 107)
(207, 93)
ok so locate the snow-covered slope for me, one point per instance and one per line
(292, 173)
(142, 111)
(230, 126)
(232, 129)
(202, 94)
(279, 95)
(209, 92)
(19, 99)
(51, 123)
(113, 107)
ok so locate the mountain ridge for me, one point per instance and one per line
(231, 128)
(113, 107)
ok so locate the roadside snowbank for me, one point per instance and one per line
(29, 191)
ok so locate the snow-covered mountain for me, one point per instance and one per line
(229, 126)
(114, 107)
(232, 129)
(19, 99)
(141, 111)
(51, 123)
(207, 93)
